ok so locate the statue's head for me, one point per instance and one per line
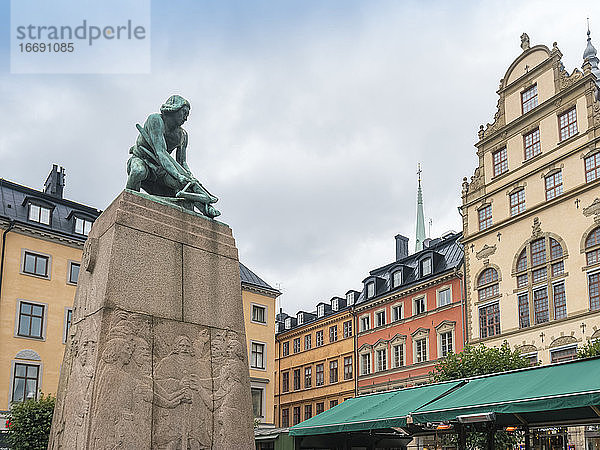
(177, 108)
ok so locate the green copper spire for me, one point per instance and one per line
(420, 234)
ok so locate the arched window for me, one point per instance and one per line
(487, 284)
(592, 247)
(541, 296)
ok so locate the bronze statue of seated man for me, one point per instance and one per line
(153, 168)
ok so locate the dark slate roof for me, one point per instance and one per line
(14, 200)
(249, 277)
(447, 255)
(310, 317)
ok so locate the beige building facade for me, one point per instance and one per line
(531, 212)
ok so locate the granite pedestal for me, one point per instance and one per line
(156, 357)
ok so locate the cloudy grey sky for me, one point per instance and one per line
(308, 119)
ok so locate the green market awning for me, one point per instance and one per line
(560, 393)
(374, 411)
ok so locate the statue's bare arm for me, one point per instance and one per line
(156, 130)
(181, 154)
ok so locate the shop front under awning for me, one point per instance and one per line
(555, 394)
(372, 412)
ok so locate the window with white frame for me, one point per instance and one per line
(39, 214)
(73, 272)
(257, 355)
(365, 363)
(320, 310)
(257, 402)
(259, 314)
(82, 226)
(300, 318)
(426, 267)
(68, 321)
(397, 278)
(421, 350)
(370, 289)
(307, 342)
(563, 354)
(319, 338)
(365, 323)
(397, 312)
(380, 318)
(335, 304)
(381, 359)
(419, 306)
(350, 297)
(398, 354)
(444, 296)
(347, 329)
(446, 344)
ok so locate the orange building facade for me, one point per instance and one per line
(409, 316)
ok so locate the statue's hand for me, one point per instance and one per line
(183, 179)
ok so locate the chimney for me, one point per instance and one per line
(55, 182)
(401, 247)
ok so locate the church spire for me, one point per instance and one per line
(420, 233)
(590, 55)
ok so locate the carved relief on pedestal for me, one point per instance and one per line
(182, 387)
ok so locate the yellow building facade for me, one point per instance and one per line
(531, 211)
(315, 367)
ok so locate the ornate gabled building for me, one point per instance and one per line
(531, 212)
(409, 314)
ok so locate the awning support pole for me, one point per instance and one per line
(462, 437)
(527, 439)
(490, 437)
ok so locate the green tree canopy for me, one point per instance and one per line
(589, 349)
(29, 423)
(478, 360)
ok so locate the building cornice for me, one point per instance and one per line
(312, 325)
(260, 290)
(46, 235)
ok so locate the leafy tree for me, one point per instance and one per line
(29, 423)
(474, 361)
(589, 349)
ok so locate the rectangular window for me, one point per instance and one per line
(296, 415)
(25, 382)
(319, 375)
(444, 297)
(39, 214)
(529, 99)
(307, 411)
(446, 343)
(333, 403)
(539, 275)
(365, 364)
(540, 306)
(35, 264)
(489, 320)
(320, 310)
(370, 289)
(532, 144)
(592, 167)
(489, 292)
(320, 407)
(297, 345)
(333, 371)
(419, 306)
(257, 357)
(568, 124)
(82, 226)
(517, 202)
(347, 329)
(560, 301)
(421, 350)
(333, 333)
(592, 257)
(335, 305)
(319, 338)
(567, 354)
(73, 272)
(522, 280)
(285, 417)
(307, 342)
(307, 377)
(485, 217)
(285, 382)
(381, 360)
(68, 320)
(397, 278)
(594, 291)
(425, 267)
(31, 320)
(500, 162)
(257, 402)
(523, 311)
(538, 252)
(285, 348)
(558, 268)
(348, 368)
(258, 314)
(554, 185)
(364, 323)
(398, 355)
(397, 312)
(296, 379)
(380, 318)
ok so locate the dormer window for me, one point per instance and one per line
(82, 226)
(370, 289)
(277, 327)
(288, 323)
(335, 304)
(300, 318)
(39, 214)
(426, 267)
(350, 298)
(321, 310)
(397, 278)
